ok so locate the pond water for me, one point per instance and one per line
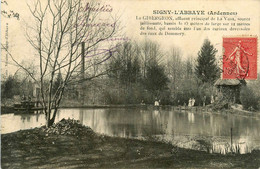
(185, 129)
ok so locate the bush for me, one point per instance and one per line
(10, 87)
(248, 99)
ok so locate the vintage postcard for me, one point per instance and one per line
(130, 84)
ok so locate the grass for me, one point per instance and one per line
(37, 148)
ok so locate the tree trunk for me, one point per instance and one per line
(52, 120)
(49, 120)
(48, 124)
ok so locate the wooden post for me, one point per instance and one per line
(231, 140)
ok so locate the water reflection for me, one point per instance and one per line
(142, 123)
(11, 122)
(191, 118)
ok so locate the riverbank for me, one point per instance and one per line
(10, 109)
(233, 110)
(71, 145)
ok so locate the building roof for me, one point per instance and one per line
(227, 82)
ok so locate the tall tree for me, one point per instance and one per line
(174, 66)
(156, 79)
(150, 53)
(59, 30)
(189, 67)
(207, 69)
(125, 64)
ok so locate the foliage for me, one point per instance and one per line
(156, 79)
(125, 65)
(206, 69)
(248, 99)
(254, 86)
(136, 78)
(58, 81)
(10, 87)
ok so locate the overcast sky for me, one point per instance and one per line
(129, 9)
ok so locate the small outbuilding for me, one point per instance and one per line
(229, 89)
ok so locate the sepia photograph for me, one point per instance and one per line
(130, 84)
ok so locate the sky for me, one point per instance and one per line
(189, 44)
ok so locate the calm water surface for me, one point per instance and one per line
(142, 123)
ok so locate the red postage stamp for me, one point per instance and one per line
(239, 58)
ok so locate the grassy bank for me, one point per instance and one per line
(70, 145)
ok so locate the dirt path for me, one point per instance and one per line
(38, 148)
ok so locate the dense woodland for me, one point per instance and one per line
(143, 72)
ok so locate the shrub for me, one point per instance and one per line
(248, 99)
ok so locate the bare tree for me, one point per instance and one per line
(150, 54)
(174, 66)
(65, 30)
